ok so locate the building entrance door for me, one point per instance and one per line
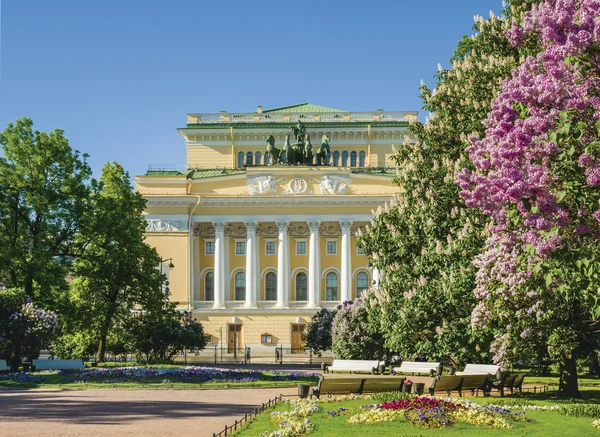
(234, 339)
(297, 342)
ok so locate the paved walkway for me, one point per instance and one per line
(126, 413)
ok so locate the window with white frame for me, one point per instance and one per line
(362, 283)
(300, 247)
(271, 286)
(209, 286)
(269, 248)
(331, 286)
(331, 247)
(240, 247)
(209, 247)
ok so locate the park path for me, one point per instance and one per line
(126, 413)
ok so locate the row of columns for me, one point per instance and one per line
(283, 264)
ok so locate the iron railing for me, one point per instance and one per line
(248, 417)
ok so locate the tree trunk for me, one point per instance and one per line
(15, 358)
(104, 332)
(594, 363)
(568, 386)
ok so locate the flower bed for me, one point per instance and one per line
(189, 374)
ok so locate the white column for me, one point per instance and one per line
(250, 264)
(314, 275)
(282, 266)
(346, 266)
(219, 264)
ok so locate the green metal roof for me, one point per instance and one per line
(214, 173)
(302, 107)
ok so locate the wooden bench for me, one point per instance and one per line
(447, 383)
(380, 384)
(57, 364)
(345, 386)
(370, 366)
(475, 383)
(331, 386)
(479, 369)
(517, 383)
(418, 367)
(3, 366)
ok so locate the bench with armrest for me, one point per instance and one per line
(447, 383)
(345, 386)
(3, 366)
(475, 383)
(515, 383)
(380, 384)
(505, 380)
(370, 366)
(479, 369)
(57, 364)
(413, 367)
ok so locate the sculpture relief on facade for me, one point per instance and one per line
(159, 225)
(262, 185)
(333, 184)
(297, 186)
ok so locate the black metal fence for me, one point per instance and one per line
(248, 417)
(249, 355)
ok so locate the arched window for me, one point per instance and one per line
(362, 283)
(249, 158)
(209, 286)
(353, 158)
(331, 286)
(301, 286)
(267, 159)
(258, 157)
(240, 286)
(344, 158)
(241, 160)
(336, 158)
(283, 156)
(271, 286)
(361, 158)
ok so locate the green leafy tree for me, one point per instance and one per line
(425, 239)
(25, 328)
(158, 337)
(43, 196)
(318, 332)
(117, 272)
(353, 337)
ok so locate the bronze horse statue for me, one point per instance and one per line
(273, 151)
(288, 150)
(324, 152)
(308, 151)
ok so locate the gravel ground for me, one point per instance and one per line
(125, 413)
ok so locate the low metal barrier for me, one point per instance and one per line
(248, 417)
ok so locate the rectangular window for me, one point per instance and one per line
(300, 247)
(359, 250)
(208, 339)
(331, 247)
(209, 248)
(240, 248)
(270, 248)
(265, 338)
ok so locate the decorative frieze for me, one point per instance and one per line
(204, 230)
(159, 225)
(297, 186)
(266, 229)
(235, 230)
(330, 229)
(298, 229)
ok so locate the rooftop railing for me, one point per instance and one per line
(336, 117)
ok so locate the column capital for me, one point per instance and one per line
(346, 225)
(314, 226)
(282, 226)
(251, 226)
(219, 226)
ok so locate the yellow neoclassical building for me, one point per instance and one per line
(254, 249)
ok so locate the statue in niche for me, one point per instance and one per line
(273, 151)
(324, 152)
(334, 184)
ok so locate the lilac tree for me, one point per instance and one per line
(536, 175)
(353, 337)
(25, 328)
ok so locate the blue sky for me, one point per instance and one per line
(119, 76)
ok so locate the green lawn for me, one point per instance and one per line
(547, 423)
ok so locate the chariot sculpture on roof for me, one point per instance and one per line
(300, 152)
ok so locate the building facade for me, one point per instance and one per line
(254, 249)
